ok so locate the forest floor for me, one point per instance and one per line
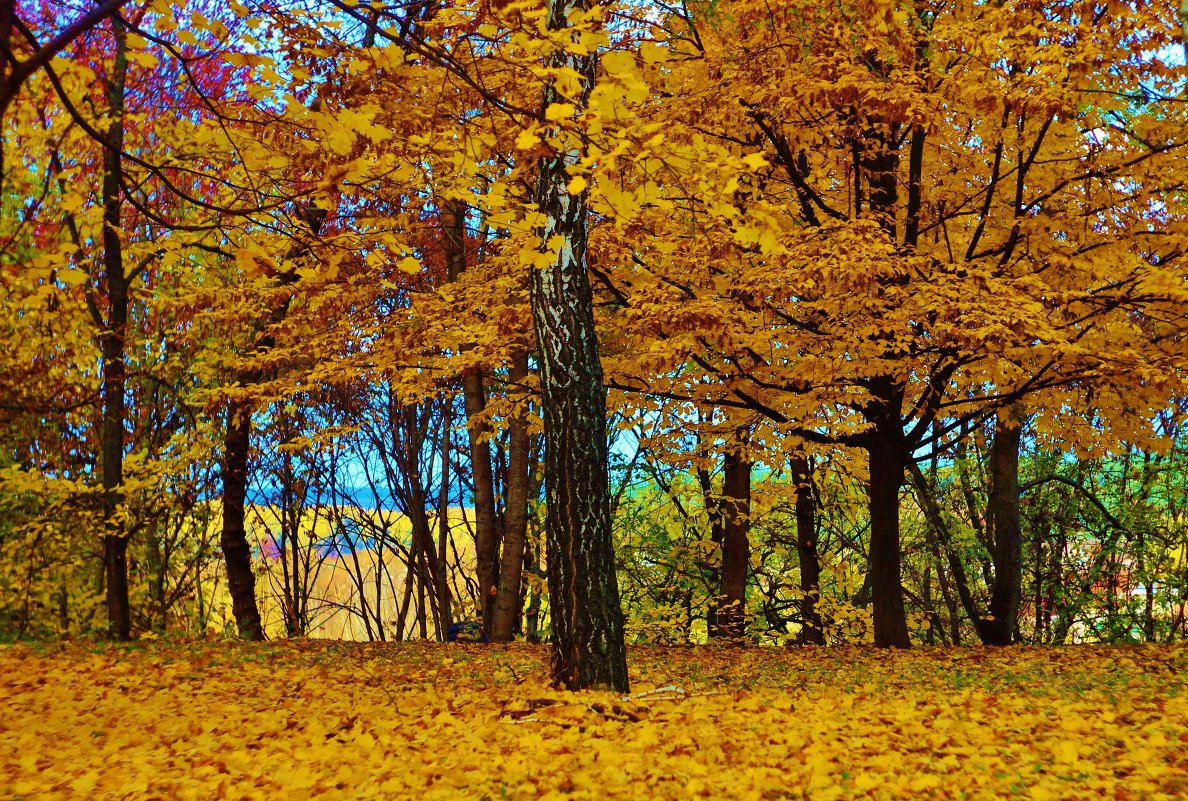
(314, 719)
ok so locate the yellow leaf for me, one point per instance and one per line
(653, 53)
(754, 161)
(527, 139)
(559, 111)
(618, 62)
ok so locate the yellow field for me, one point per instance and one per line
(342, 578)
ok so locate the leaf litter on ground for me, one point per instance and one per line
(227, 720)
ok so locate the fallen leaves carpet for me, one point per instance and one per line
(310, 719)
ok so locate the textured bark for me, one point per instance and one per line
(587, 620)
(811, 632)
(1007, 592)
(237, 554)
(515, 529)
(111, 343)
(736, 546)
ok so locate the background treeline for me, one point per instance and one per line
(890, 298)
(1102, 541)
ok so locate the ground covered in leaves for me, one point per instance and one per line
(210, 720)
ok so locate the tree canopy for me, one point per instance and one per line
(786, 323)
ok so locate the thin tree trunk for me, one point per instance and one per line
(487, 534)
(112, 345)
(712, 567)
(423, 547)
(237, 554)
(942, 539)
(515, 530)
(444, 602)
(811, 631)
(533, 605)
(587, 620)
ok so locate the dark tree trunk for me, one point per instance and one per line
(423, 553)
(515, 530)
(878, 162)
(444, 598)
(713, 567)
(111, 342)
(587, 619)
(887, 460)
(811, 631)
(735, 506)
(487, 534)
(533, 605)
(1007, 591)
(237, 554)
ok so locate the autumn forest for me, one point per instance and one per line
(709, 328)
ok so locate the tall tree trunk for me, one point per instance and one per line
(887, 458)
(486, 518)
(587, 620)
(487, 534)
(111, 342)
(811, 631)
(736, 546)
(515, 530)
(877, 161)
(444, 601)
(1007, 592)
(237, 554)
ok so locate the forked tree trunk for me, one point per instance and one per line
(587, 620)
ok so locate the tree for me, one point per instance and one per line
(587, 620)
(819, 247)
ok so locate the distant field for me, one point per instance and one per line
(338, 577)
(314, 719)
